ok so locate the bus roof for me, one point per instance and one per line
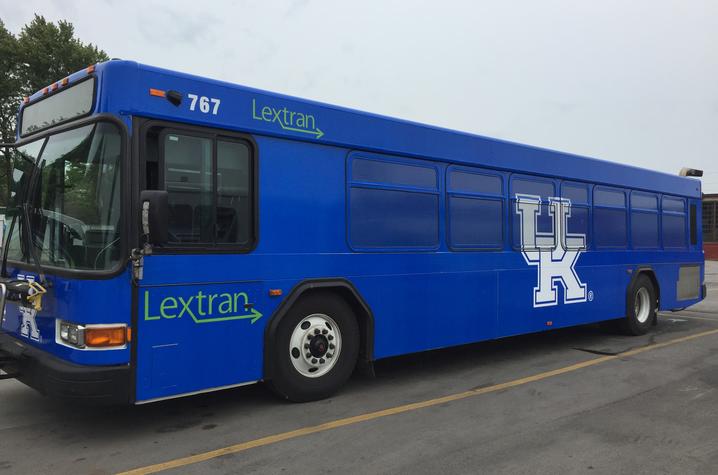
(124, 87)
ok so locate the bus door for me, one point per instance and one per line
(199, 312)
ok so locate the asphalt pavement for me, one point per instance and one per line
(581, 400)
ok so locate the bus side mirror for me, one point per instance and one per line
(155, 215)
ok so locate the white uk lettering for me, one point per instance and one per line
(554, 253)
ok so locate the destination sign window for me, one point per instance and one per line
(70, 103)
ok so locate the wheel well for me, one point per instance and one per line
(648, 272)
(341, 288)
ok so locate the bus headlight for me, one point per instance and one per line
(72, 334)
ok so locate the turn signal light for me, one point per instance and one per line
(105, 336)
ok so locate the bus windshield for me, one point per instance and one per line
(73, 197)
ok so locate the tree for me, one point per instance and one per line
(50, 52)
(10, 83)
(43, 52)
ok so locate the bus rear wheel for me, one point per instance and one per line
(641, 307)
(315, 348)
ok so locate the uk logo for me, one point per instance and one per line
(28, 327)
(554, 252)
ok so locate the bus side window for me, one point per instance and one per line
(475, 209)
(644, 220)
(233, 213)
(576, 212)
(610, 230)
(531, 207)
(673, 219)
(188, 181)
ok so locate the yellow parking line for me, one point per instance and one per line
(347, 421)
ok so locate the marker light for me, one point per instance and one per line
(44, 91)
(275, 292)
(90, 69)
(157, 92)
(54, 86)
(65, 81)
(106, 336)
(26, 100)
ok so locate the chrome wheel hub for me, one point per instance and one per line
(315, 345)
(642, 305)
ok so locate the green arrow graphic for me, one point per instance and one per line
(253, 316)
(318, 132)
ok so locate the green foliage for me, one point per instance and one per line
(52, 52)
(43, 52)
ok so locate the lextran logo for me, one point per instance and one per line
(554, 252)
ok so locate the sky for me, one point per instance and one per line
(627, 81)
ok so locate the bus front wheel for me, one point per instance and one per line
(315, 348)
(641, 307)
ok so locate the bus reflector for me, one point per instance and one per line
(157, 92)
(106, 336)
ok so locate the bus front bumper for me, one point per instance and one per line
(55, 377)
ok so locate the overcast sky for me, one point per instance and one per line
(628, 81)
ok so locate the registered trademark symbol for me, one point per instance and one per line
(590, 295)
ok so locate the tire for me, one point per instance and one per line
(315, 348)
(641, 307)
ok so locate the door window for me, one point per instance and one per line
(210, 186)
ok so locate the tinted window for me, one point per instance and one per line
(644, 230)
(609, 227)
(393, 218)
(575, 193)
(577, 225)
(467, 182)
(674, 230)
(393, 205)
(530, 187)
(644, 201)
(606, 197)
(390, 173)
(674, 204)
(475, 222)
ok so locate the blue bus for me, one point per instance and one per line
(168, 234)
